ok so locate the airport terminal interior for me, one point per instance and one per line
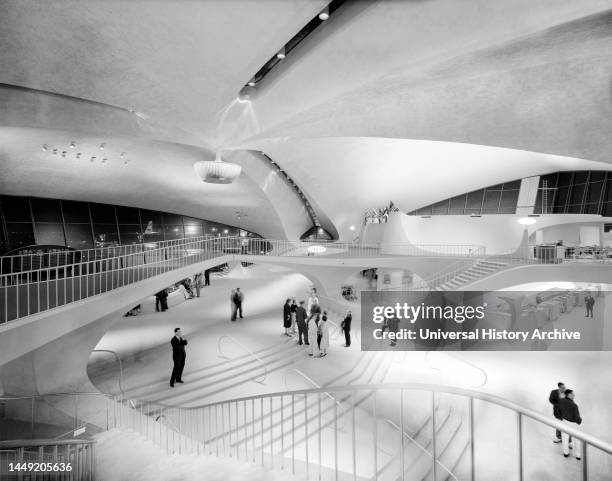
(200, 200)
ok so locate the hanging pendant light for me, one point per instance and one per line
(217, 171)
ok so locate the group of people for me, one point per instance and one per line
(312, 323)
(188, 286)
(566, 410)
(199, 280)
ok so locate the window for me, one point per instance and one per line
(46, 210)
(78, 236)
(75, 212)
(48, 233)
(103, 214)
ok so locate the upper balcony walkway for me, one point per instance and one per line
(35, 283)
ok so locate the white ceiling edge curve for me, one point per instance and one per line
(347, 175)
(157, 176)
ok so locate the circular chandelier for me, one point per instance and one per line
(217, 171)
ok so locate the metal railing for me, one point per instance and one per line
(35, 283)
(66, 460)
(295, 431)
(120, 363)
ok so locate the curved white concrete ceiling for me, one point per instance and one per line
(158, 175)
(522, 74)
(365, 172)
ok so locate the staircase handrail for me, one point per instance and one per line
(120, 382)
(436, 388)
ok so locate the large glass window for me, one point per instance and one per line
(79, 236)
(105, 235)
(103, 214)
(46, 210)
(83, 225)
(16, 209)
(76, 212)
(50, 234)
(20, 234)
(130, 234)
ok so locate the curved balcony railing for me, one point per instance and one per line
(35, 283)
(288, 430)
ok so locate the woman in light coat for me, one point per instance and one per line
(324, 329)
(313, 348)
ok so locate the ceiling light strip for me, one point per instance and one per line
(321, 17)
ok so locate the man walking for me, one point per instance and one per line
(300, 318)
(206, 278)
(346, 327)
(589, 302)
(555, 396)
(570, 414)
(178, 356)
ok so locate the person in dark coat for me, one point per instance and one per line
(178, 343)
(346, 327)
(589, 302)
(553, 399)
(294, 307)
(161, 300)
(287, 316)
(571, 414)
(206, 278)
(300, 319)
(237, 298)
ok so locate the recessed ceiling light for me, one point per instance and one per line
(102, 145)
(45, 147)
(281, 55)
(352, 227)
(72, 145)
(92, 159)
(324, 15)
(122, 155)
(251, 84)
(78, 155)
(64, 153)
(54, 151)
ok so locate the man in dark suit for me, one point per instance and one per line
(178, 356)
(571, 414)
(300, 318)
(589, 302)
(346, 327)
(555, 396)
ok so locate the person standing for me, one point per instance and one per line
(294, 307)
(207, 277)
(233, 305)
(345, 325)
(197, 281)
(238, 298)
(589, 302)
(570, 414)
(324, 331)
(157, 301)
(300, 319)
(313, 328)
(287, 316)
(555, 396)
(163, 297)
(178, 343)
